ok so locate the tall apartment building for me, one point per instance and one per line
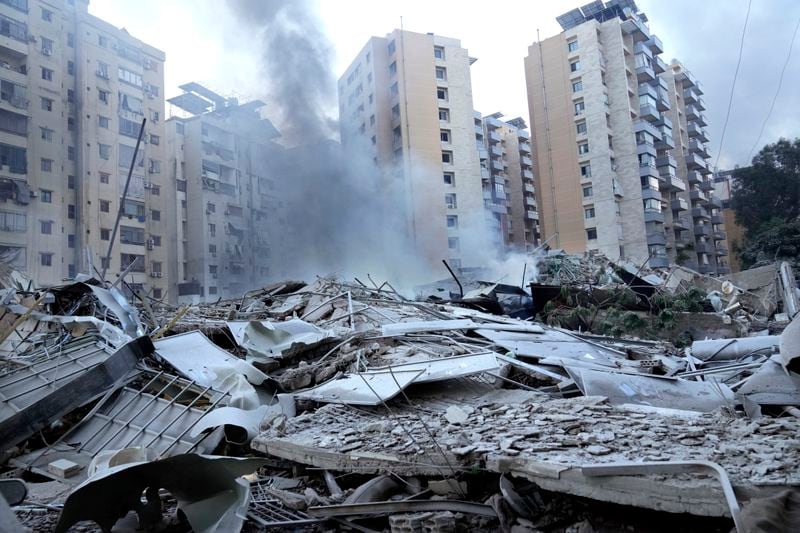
(695, 220)
(735, 233)
(231, 224)
(406, 101)
(601, 102)
(74, 92)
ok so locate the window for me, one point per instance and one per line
(444, 136)
(591, 234)
(70, 96)
(46, 165)
(46, 259)
(104, 150)
(396, 111)
(447, 157)
(438, 52)
(156, 240)
(372, 120)
(179, 128)
(212, 249)
(580, 127)
(155, 139)
(452, 243)
(128, 128)
(588, 212)
(105, 234)
(105, 206)
(46, 197)
(587, 191)
(46, 227)
(583, 148)
(102, 122)
(452, 221)
(212, 289)
(441, 93)
(154, 115)
(105, 262)
(71, 153)
(71, 240)
(577, 86)
(449, 178)
(155, 190)
(572, 46)
(70, 124)
(580, 107)
(441, 73)
(391, 48)
(444, 114)
(103, 95)
(105, 177)
(47, 104)
(157, 294)
(102, 70)
(131, 235)
(393, 90)
(393, 68)
(47, 74)
(102, 40)
(211, 207)
(155, 214)
(154, 166)
(371, 98)
(450, 200)
(574, 66)
(47, 134)
(70, 68)
(129, 77)
(126, 260)
(71, 182)
(212, 269)
(586, 171)
(47, 46)
(71, 271)
(71, 211)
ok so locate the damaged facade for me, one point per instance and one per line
(345, 405)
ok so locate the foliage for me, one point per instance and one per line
(769, 188)
(774, 240)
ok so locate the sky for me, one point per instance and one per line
(204, 43)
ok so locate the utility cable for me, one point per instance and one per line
(733, 85)
(777, 91)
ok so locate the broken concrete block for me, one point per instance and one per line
(63, 468)
(448, 487)
(456, 415)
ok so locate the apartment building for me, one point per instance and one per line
(75, 90)
(230, 220)
(405, 102)
(600, 99)
(695, 222)
(735, 233)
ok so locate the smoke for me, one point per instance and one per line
(343, 217)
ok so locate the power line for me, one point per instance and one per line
(777, 91)
(733, 85)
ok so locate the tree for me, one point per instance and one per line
(769, 189)
(775, 240)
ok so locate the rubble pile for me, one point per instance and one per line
(342, 405)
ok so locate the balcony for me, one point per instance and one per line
(694, 177)
(497, 165)
(720, 235)
(690, 95)
(492, 123)
(700, 213)
(699, 148)
(704, 248)
(715, 201)
(717, 219)
(722, 250)
(722, 269)
(636, 28)
(525, 147)
(701, 105)
(527, 174)
(649, 193)
(706, 269)
(494, 137)
(529, 201)
(702, 230)
(478, 130)
(679, 204)
(655, 44)
(528, 187)
(698, 196)
(659, 66)
(653, 216)
(692, 113)
(647, 171)
(706, 185)
(656, 239)
(666, 161)
(695, 162)
(701, 120)
(523, 135)
(648, 112)
(658, 261)
(526, 161)
(496, 150)
(695, 131)
(672, 183)
(531, 214)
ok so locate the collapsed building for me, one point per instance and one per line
(348, 405)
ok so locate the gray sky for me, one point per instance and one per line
(204, 44)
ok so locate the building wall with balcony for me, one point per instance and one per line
(418, 88)
(522, 233)
(72, 144)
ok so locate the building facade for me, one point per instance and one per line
(230, 219)
(735, 233)
(405, 102)
(75, 91)
(602, 111)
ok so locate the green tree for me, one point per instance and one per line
(768, 189)
(774, 240)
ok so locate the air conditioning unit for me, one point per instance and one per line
(151, 244)
(47, 52)
(148, 185)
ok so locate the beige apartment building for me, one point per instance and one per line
(231, 222)
(74, 92)
(735, 233)
(601, 101)
(406, 102)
